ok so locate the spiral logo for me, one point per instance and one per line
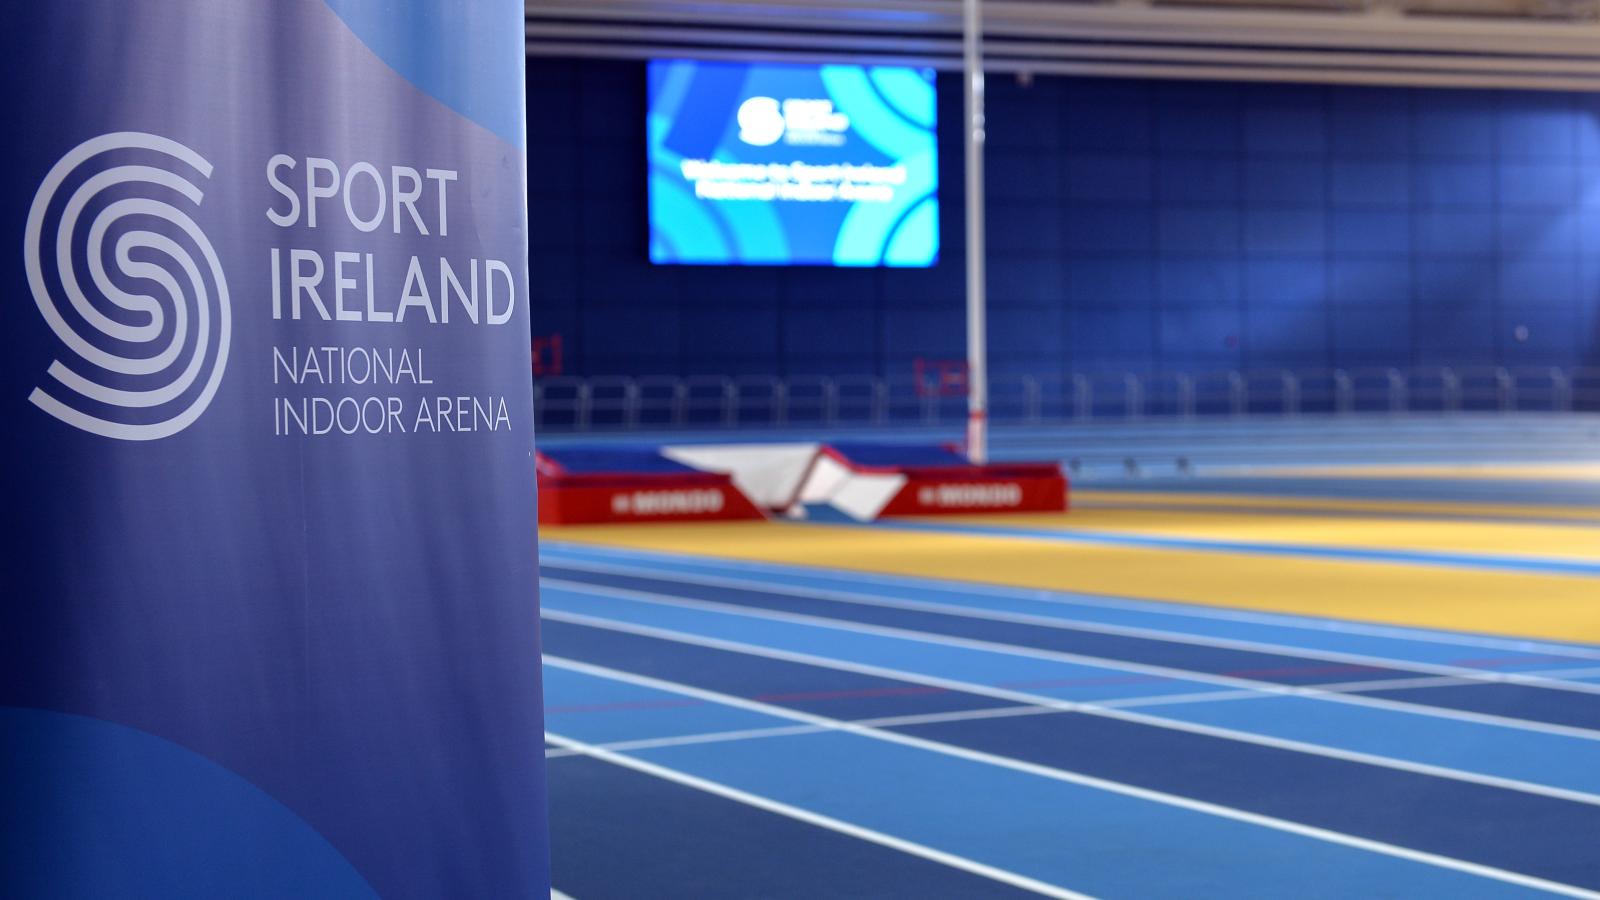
(130, 285)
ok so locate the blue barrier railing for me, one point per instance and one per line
(702, 402)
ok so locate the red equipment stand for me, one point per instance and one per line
(958, 490)
(590, 498)
(931, 481)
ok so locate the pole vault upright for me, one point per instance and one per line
(977, 340)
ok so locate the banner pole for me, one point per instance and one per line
(977, 340)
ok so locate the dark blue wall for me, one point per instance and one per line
(1133, 225)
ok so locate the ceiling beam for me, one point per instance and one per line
(1402, 42)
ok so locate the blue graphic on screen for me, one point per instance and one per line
(758, 164)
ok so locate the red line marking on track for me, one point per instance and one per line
(1084, 682)
(860, 693)
(622, 706)
(1503, 661)
(1303, 671)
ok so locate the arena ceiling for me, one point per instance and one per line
(1536, 44)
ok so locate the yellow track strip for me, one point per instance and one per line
(1333, 504)
(1570, 542)
(1555, 607)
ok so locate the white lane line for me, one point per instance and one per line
(686, 740)
(1593, 672)
(1264, 687)
(1102, 601)
(1002, 711)
(747, 734)
(1464, 674)
(1066, 776)
(557, 895)
(811, 818)
(1119, 710)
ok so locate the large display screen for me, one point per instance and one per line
(769, 164)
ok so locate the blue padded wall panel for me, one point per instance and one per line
(852, 368)
(1101, 229)
(1587, 224)
(1455, 337)
(1104, 336)
(1124, 179)
(1210, 335)
(1539, 283)
(1552, 336)
(1026, 281)
(1007, 101)
(610, 102)
(1019, 226)
(1277, 231)
(1200, 231)
(1294, 123)
(1026, 174)
(1198, 181)
(1458, 232)
(1370, 233)
(626, 281)
(609, 171)
(1537, 126)
(1019, 333)
(816, 333)
(850, 289)
(1111, 282)
(1450, 184)
(650, 330)
(603, 225)
(1374, 183)
(1455, 283)
(1198, 129)
(1293, 333)
(1586, 125)
(1456, 124)
(1370, 282)
(550, 168)
(721, 287)
(1101, 114)
(1188, 124)
(729, 331)
(756, 369)
(1286, 282)
(553, 277)
(1212, 282)
(1537, 185)
(940, 288)
(1285, 183)
(1538, 235)
(552, 222)
(1370, 124)
(1134, 225)
(1370, 329)
(936, 334)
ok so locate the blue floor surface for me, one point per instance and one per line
(723, 729)
(1057, 756)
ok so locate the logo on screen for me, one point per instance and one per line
(760, 122)
(763, 121)
(130, 286)
(814, 123)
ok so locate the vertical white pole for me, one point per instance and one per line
(977, 340)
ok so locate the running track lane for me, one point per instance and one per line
(1061, 826)
(1522, 701)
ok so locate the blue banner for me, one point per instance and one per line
(268, 618)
